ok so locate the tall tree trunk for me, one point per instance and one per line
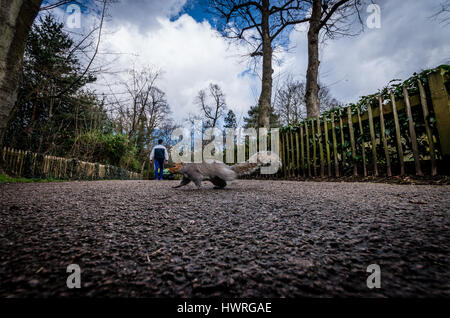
(16, 18)
(266, 88)
(312, 74)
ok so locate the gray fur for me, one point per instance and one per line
(219, 173)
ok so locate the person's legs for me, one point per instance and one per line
(161, 169)
(156, 168)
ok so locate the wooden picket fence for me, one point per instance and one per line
(33, 165)
(373, 137)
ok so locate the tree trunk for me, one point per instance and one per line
(266, 88)
(312, 74)
(16, 18)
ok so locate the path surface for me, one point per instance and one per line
(255, 238)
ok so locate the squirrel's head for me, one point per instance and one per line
(176, 167)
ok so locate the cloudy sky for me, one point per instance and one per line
(178, 37)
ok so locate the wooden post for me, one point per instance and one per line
(286, 149)
(6, 158)
(20, 162)
(424, 103)
(373, 141)
(383, 138)
(308, 159)
(440, 97)
(335, 148)
(313, 134)
(16, 161)
(412, 133)
(302, 150)
(286, 154)
(292, 152)
(283, 162)
(59, 168)
(363, 143)
(398, 135)
(44, 166)
(286, 167)
(10, 158)
(325, 127)
(319, 142)
(344, 154)
(297, 147)
(352, 140)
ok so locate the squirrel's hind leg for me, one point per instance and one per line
(198, 183)
(218, 183)
(183, 182)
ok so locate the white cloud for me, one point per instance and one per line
(144, 14)
(191, 55)
(408, 41)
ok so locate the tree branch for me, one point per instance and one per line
(331, 12)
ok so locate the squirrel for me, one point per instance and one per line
(219, 173)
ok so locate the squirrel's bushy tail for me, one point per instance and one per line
(259, 159)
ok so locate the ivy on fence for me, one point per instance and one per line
(380, 133)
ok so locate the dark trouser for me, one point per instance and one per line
(159, 169)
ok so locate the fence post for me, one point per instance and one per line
(383, 138)
(398, 136)
(373, 140)
(335, 149)
(441, 105)
(297, 147)
(302, 150)
(286, 155)
(313, 134)
(319, 139)
(308, 159)
(327, 145)
(412, 133)
(292, 151)
(343, 150)
(283, 162)
(424, 103)
(352, 140)
(363, 143)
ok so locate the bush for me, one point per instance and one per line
(112, 149)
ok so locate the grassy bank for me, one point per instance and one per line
(7, 179)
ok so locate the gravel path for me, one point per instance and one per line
(254, 238)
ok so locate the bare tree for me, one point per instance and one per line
(334, 18)
(444, 13)
(327, 101)
(290, 101)
(212, 104)
(143, 112)
(103, 4)
(262, 22)
(145, 106)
